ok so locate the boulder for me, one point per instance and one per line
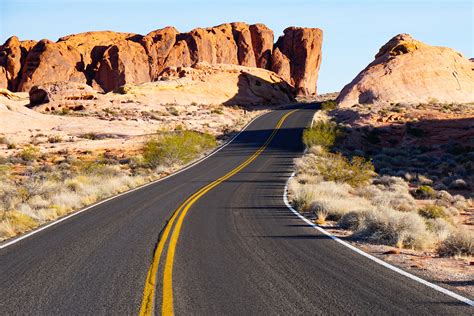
(60, 91)
(408, 71)
(302, 46)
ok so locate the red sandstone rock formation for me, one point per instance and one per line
(106, 60)
(124, 62)
(12, 56)
(408, 71)
(302, 47)
(262, 42)
(158, 45)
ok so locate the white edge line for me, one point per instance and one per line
(377, 260)
(41, 228)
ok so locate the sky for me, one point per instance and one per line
(353, 30)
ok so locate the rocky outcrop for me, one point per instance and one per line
(243, 39)
(12, 56)
(123, 62)
(48, 61)
(408, 71)
(212, 45)
(302, 47)
(107, 60)
(281, 65)
(60, 91)
(158, 45)
(204, 83)
(262, 44)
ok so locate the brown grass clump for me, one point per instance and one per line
(459, 244)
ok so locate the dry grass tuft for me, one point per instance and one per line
(459, 244)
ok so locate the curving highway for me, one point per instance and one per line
(215, 239)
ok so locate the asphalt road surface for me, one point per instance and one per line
(232, 248)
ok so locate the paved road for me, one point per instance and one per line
(239, 249)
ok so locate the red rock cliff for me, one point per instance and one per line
(106, 60)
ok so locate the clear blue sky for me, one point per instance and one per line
(353, 30)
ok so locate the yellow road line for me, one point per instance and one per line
(147, 305)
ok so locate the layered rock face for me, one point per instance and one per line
(408, 71)
(107, 60)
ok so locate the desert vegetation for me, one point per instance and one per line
(36, 188)
(350, 189)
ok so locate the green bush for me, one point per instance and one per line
(90, 136)
(55, 139)
(322, 133)
(335, 167)
(329, 105)
(425, 192)
(176, 148)
(29, 153)
(433, 211)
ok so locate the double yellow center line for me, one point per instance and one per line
(148, 300)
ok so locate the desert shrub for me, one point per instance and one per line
(29, 153)
(321, 217)
(90, 136)
(302, 196)
(433, 211)
(328, 105)
(444, 196)
(6, 141)
(425, 192)
(322, 133)
(174, 111)
(424, 180)
(55, 139)
(337, 168)
(15, 222)
(176, 148)
(459, 184)
(8, 195)
(218, 110)
(393, 228)
(352, 220)
(387, 191)
(334, 200)
(439, 227)
(461, 203)
(460, 243)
